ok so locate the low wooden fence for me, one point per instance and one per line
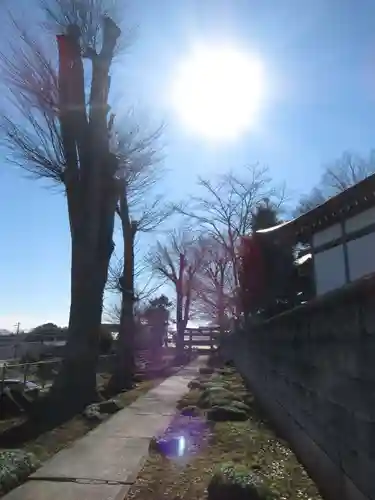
(43, 372)
(203, 339)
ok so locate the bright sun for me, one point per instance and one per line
(218, 91)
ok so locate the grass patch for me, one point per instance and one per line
(50, 442)
(251, 444)
(46, 444)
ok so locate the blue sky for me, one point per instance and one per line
(319, 59)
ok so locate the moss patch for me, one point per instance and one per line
(190, 399)
(50, 442)
(251, 447)
(236, 481)
(17, 464)
(226, 413)
(15, 467)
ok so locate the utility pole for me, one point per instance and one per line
(17, 325)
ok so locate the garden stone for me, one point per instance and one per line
(92, 413)
(194, 384)
(190, 411)
(111, 406)
(215, 396)
(241, 406)
(165, 446)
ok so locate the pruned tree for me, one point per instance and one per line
(179, 260)
(56, 126)
(139, 157)
(223, 211)
(345, 172)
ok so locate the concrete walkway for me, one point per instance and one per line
(105, 463)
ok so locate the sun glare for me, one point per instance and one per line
(217, 92)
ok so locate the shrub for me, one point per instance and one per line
(92, 413)
(227, 413)
(189, 399)
(15, 467)
(111, 406)
(217, 396)
(238, 482)
(226, 371)
(216, 384)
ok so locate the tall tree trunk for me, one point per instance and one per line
(92, 197)
(75, 386)
(180, 326)
(125, 367)
(221, 305)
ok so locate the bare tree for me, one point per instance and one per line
(139, 157)
(54, 130)
(348, 170)
(145, 283)
(179, 261)
(223, 211)
(214, 290)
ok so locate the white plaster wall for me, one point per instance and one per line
(361, 256)
(329, 269)
(327, 235)
(361, 220)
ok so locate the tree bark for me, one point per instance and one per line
(220, 303)
(75, 386)
(92, 196)
(180, 326)
(125, 366)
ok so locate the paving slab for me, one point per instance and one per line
(99, 457)
(47, 490)
(113, 452)
(153, 406)
(133, 424)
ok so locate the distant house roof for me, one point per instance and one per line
(346, 204)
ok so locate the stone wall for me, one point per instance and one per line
(313, 369)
